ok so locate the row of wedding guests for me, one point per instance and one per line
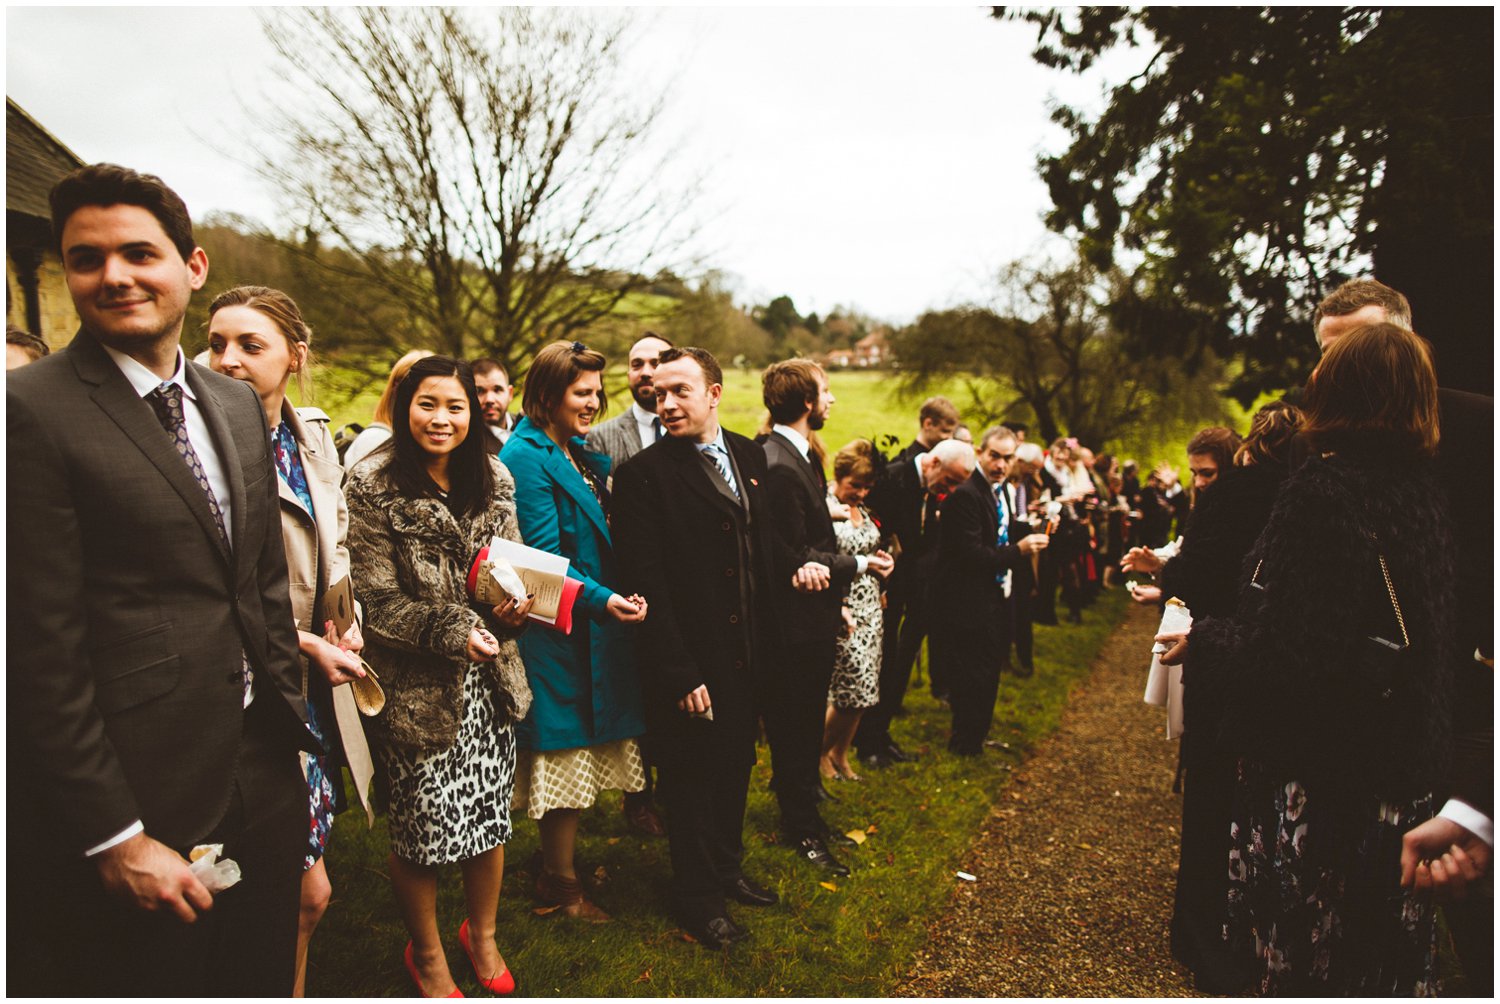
(1337, 674)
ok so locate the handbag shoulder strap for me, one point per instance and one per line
(1385, 573)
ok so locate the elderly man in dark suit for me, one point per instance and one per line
(981, 545)
(692, 534)
(796, 393)
(154, 687)
(905, 500)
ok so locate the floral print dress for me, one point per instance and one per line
(1313, 897)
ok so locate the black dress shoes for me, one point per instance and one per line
(837, 839)
(1022, 669)
(822, 794)
(813, 849)
(742, 890)
(716, 932)
(878, 758)
(900, 755)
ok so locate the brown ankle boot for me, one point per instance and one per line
(565, 896)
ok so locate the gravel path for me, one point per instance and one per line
(1075, 864)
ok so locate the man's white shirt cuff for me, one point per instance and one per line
(118, 838)
(1471, 819)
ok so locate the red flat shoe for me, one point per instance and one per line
(411, 970)
(503, 984)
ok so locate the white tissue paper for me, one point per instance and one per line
(216, 875)
(504, 575)
(1164, 683)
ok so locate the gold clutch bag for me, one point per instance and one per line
(369, 695)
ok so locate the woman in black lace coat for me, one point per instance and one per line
(1340, 738)
(1206, 575)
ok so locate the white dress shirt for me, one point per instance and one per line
(645, 424)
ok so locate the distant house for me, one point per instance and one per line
(873, 350)
(839, 359)
(36, 294)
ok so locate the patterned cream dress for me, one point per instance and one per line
(856, 667)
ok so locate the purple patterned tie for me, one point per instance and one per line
(166, 401)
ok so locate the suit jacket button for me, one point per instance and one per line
(734, 618)
(739, 664)
(727, 526)
(728, 573)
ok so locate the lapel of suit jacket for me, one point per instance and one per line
(117, 398)
(218, 425)
(693, 467)
(803, 464)
(986, 491)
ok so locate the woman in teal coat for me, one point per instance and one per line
(580, 738)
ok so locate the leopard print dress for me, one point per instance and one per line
(856, 668)
(455, 804)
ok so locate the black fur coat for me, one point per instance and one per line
(1294, 685)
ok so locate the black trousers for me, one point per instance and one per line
(70, 937)
(705, 807)
(1044, 607)
(795, 708)
(974, 658)
(1472, 924)
(1022, 603)
(901, 639)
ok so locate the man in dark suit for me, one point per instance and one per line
(692, 532)
(1464, 829)
(621, 438)
(905, 500)
(980, 546)
(154, 686)
(797, 396)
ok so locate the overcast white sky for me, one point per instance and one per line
(875, 158)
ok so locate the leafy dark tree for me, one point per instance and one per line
(488, 167)
(779, 317)
(1044, 352)
(1266, 154)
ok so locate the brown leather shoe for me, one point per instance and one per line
(643, 818)
(565, 896)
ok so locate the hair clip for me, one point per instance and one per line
(579, 347)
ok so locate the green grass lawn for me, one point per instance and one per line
(848, 937)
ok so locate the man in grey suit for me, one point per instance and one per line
(625, 435)
(621, 438)
(153, 680)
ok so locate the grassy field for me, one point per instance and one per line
(840, 938)
(868, 404)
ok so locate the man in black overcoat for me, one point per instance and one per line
(692, 532)
(971, 586)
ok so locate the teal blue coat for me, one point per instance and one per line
(584, 685)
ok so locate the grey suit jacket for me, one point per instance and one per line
(619, 439)
(128, 614)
